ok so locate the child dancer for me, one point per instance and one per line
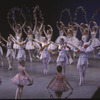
(21, 79)
(59, 86)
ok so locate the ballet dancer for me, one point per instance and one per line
(21, 52)
(95, 41)
(10, 52)
(59, 85)
(21, 79)
(45, 55)
(83, 49)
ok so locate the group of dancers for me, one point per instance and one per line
(67, 46)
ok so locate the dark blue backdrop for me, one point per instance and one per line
(51, 10)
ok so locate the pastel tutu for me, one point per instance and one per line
(21, 78)
(59, 85)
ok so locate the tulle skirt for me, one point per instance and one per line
(11, 53)
(21, 55)
(59, 87)
(52, 47)
(20, 80)
(59, 38)
(82, 61)
(15, 46)
(29, 46)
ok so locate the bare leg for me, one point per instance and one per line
(30, 55)
(58, 95)
(45, 65)
(21, 90)
(64, 67)
(84, 72)
(17, 93)
(10, 63)
(15, 50)
(94, 52)
(81, 75)
(70, 57)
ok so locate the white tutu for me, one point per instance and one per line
(82, 61)
(75, 41)
(45, 54)
(62, 58)
(29, 46)
(21, 55)
(89, 49)
(37, 45)
(39, 38)
(59, 38)
(10, 53)
(15, 46)
(95, 42)
(52, 47)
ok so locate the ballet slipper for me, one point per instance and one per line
(10, 68)
(80, 83)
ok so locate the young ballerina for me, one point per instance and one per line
(59, 85)
(21, 52)
(10, 52)
(62, 58)
(61, 32)
(18, 34)
(21, 79)
(45, 55)
(29, 43)
(69, 35)
(83, 49)
(95, 41)
(48, 34)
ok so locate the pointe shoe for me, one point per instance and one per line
(37, 56)
(34, 56)
(80, 83)
(70, 61)
(10, 68)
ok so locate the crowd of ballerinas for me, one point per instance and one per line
(66, 47)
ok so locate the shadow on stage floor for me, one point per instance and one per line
(97, 93)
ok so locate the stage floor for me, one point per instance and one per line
(39, 91)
